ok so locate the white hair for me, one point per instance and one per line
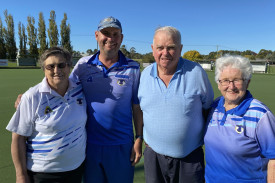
(170, 30)
(237, 62)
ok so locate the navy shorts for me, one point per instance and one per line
(164, 169)
(108, 164)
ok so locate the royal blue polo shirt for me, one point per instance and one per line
(110, 94)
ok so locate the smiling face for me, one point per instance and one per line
(232, 93)
(166, 51)
(109, 40)
(56, 77)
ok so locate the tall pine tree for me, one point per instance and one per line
(9, 36)
(22, 40)
(32, 37)
(25, 39)
(42, 34)
(52, 30)
(3, 51)
(65, 32)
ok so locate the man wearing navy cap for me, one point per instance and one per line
(110, 83)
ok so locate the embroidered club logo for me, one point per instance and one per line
(48, 110)
(239, 129)
(107, 20)
(79, 101)
(90, 79)
(121, 82)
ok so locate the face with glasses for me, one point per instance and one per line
(232, 86)
(56, 71)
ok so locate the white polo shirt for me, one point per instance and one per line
(54, 127)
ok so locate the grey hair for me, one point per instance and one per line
(170, 30)
(56, 51)
(237, 62)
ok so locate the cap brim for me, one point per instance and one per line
(112, 25)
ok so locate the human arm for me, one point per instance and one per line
(16, 103)
(21, 123)
(138, 122)
(271, 171)
(80, 67)
(18, 153)
(265, 136)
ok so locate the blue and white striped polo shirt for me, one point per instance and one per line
(54, 127)
(239, 142)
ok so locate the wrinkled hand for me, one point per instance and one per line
(16, 103)
(136, 152)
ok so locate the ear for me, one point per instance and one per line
(181, 48)
(96, 35)
(219, 86)
(152, 46)
(122, 36)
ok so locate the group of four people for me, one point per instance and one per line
(169, 104)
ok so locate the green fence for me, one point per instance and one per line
(26, 61)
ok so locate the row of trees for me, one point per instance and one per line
(33, 41)
(131, 53)
(35, 38)
(263, 54)
(194, 55)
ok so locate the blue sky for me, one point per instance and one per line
(204, 24)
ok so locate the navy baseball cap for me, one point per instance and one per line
(109, 22)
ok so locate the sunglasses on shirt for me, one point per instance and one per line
(59, 66)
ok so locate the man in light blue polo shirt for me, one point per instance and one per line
(110, 84)
(173, 93)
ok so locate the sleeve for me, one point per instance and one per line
(265, 134)
(21, 122)
(135, 99)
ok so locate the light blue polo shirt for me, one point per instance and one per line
(173, 120)
(110, 94)
(239, 142)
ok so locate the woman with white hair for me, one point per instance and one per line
(240, 137)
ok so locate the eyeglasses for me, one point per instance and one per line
(59, 66)
(236, 82)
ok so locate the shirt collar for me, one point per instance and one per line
(45, 87)
(241, 109)
(95, 60)
(154, 71)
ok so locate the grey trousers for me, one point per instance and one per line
(164, 169)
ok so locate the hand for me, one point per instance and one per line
(16, 103)
(136, 152)
(23, 179)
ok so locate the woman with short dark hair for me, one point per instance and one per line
(48, 127)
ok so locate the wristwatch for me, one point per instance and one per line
(139, 137)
